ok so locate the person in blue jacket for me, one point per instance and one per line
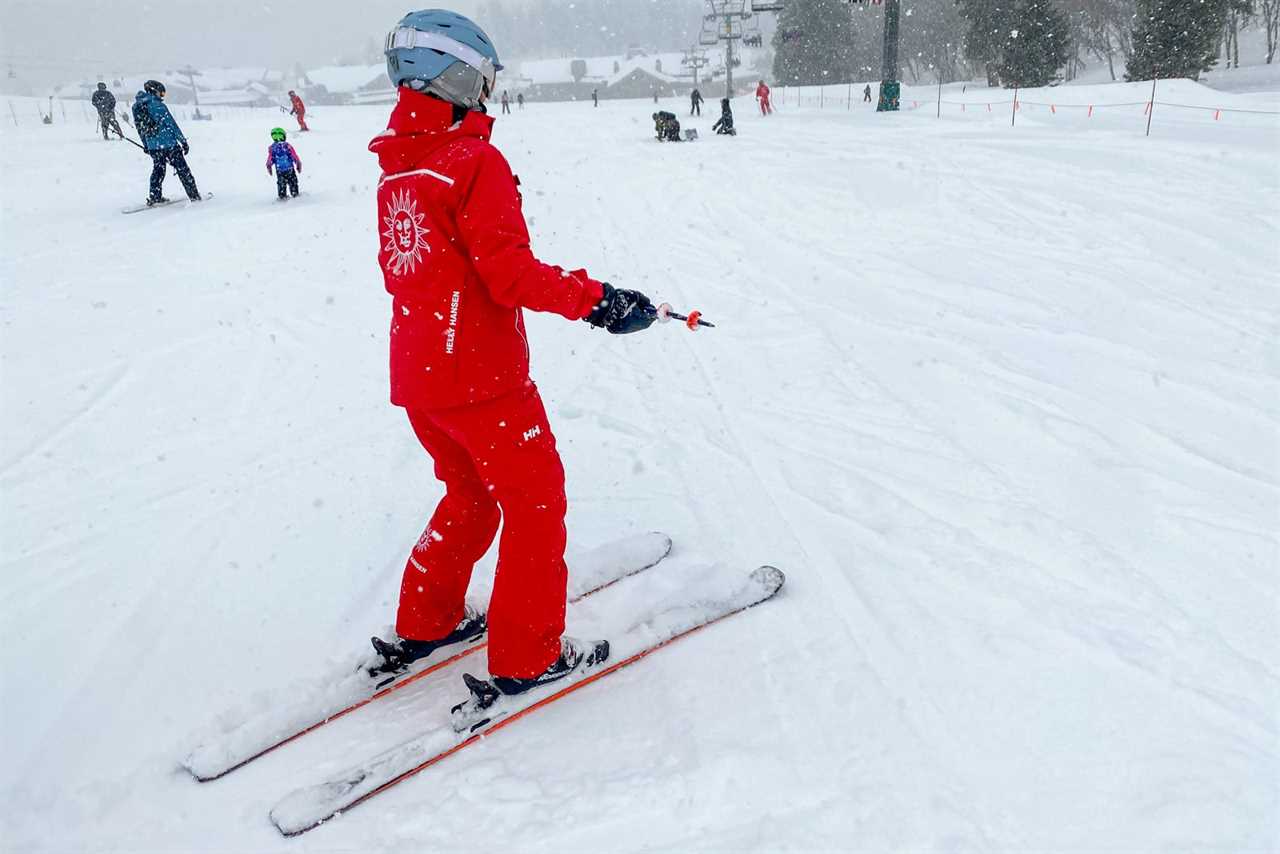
(163, 140)
(286, 162)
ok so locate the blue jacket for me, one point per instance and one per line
(155, 123)
(283, 157)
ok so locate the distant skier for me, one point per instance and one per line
(520, 100)
(667, 126)
(299, 110)
(866, 94)
(595, 97)
(506, 103)
(163, 140)
(455, 257)
(105, 103)
(724, 124)
(762, 95)
(695, 102)
(285, 161)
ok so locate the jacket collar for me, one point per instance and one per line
(418, 115)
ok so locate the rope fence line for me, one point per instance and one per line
(821, 99)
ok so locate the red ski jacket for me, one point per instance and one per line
(456, 260)
(298, 106)
(762, 92)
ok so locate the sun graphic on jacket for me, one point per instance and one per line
(406, 237)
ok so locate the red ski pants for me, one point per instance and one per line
(495, 458)
(301, 116)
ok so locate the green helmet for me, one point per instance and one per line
(277, 134)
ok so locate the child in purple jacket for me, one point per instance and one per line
(286, 162)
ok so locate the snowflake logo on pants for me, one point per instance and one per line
(406, 238)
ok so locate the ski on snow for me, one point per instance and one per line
(676, 617)
(204, 197)
(589, 573)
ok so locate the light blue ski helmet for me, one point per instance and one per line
(444, 53)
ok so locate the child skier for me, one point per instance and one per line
(455, 257)
(762, 95)
(286, 162)
(298, 110)
(724, 124)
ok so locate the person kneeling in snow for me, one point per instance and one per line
(455, 257)
(667, 126)
(724, 124)
(287, 164)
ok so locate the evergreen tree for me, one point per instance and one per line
(984, 37)
(1034, 47)
(813, 43)
(1174, 38)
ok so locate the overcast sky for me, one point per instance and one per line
(61, 41)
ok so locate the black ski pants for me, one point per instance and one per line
(163, 157)
(697, 109)
(288, 179)
(108, 122)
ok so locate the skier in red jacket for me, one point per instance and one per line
(455, 257)
(762, 95)
(299, 110)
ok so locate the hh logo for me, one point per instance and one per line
(406, 236)
(532, 432)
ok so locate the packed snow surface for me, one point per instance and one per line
(1003, 402)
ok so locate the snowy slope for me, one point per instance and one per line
(1002, 401)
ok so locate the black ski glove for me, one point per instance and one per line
(186, 149)
(622, 311)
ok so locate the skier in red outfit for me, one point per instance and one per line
(762, 95)
(455, 257)
(299, 110)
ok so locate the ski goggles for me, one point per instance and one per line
(468, 80)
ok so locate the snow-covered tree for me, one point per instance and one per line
(1269, 10)
(813, 43)
(1034, 48)
(1175, 38)
(988, 24)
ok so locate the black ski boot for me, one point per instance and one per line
(398, 655)
(574, 654)
(160, 201)
(475, 711)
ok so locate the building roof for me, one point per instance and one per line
(348, 78)
(599, 68)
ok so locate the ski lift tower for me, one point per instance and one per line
(728, 18)
(191, 75)
(694, 59)
(890, 86)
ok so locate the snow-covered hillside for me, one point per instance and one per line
(1003, 402)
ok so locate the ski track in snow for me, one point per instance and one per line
(1002, 402)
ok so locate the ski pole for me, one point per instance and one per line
(693, 319)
